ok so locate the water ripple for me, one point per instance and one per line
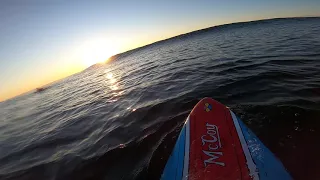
(121, 120)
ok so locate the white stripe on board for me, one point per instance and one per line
(186, 150)
(252, 167)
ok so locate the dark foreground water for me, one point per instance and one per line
(121, 120)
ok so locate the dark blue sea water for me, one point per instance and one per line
(120, 120)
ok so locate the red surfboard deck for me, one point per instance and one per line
(214, 144)
(220, 155)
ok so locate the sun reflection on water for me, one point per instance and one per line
(113, 84)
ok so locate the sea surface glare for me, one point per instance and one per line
(120, 120)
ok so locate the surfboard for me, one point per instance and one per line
(215, 144)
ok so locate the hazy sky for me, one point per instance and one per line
(45, 40)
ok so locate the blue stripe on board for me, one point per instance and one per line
(268, 165)
(174, 166)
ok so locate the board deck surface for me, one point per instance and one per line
(215, 144)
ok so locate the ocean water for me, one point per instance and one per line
(120, 120)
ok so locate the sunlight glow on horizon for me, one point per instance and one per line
(43, 42)
(18, 88)
(97, 50)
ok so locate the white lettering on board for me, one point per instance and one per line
(212, 140)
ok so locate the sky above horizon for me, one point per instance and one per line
(43, 41)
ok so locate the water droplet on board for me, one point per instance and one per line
(122, 145)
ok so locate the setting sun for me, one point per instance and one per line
(97, 51)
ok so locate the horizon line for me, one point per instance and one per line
(207, 28)
(114, 57)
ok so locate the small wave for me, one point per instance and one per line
(121, 120)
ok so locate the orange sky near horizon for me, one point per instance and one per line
(22, 87)
(74, 64)
(59, 53)
(75, 61)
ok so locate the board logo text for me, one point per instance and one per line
(212, 145)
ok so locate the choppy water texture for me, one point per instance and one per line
(121, 120)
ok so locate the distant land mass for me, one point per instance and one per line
(93, 66)
(213, 28)
(197, 32)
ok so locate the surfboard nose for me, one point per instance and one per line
(213, 145)
(208, 105)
